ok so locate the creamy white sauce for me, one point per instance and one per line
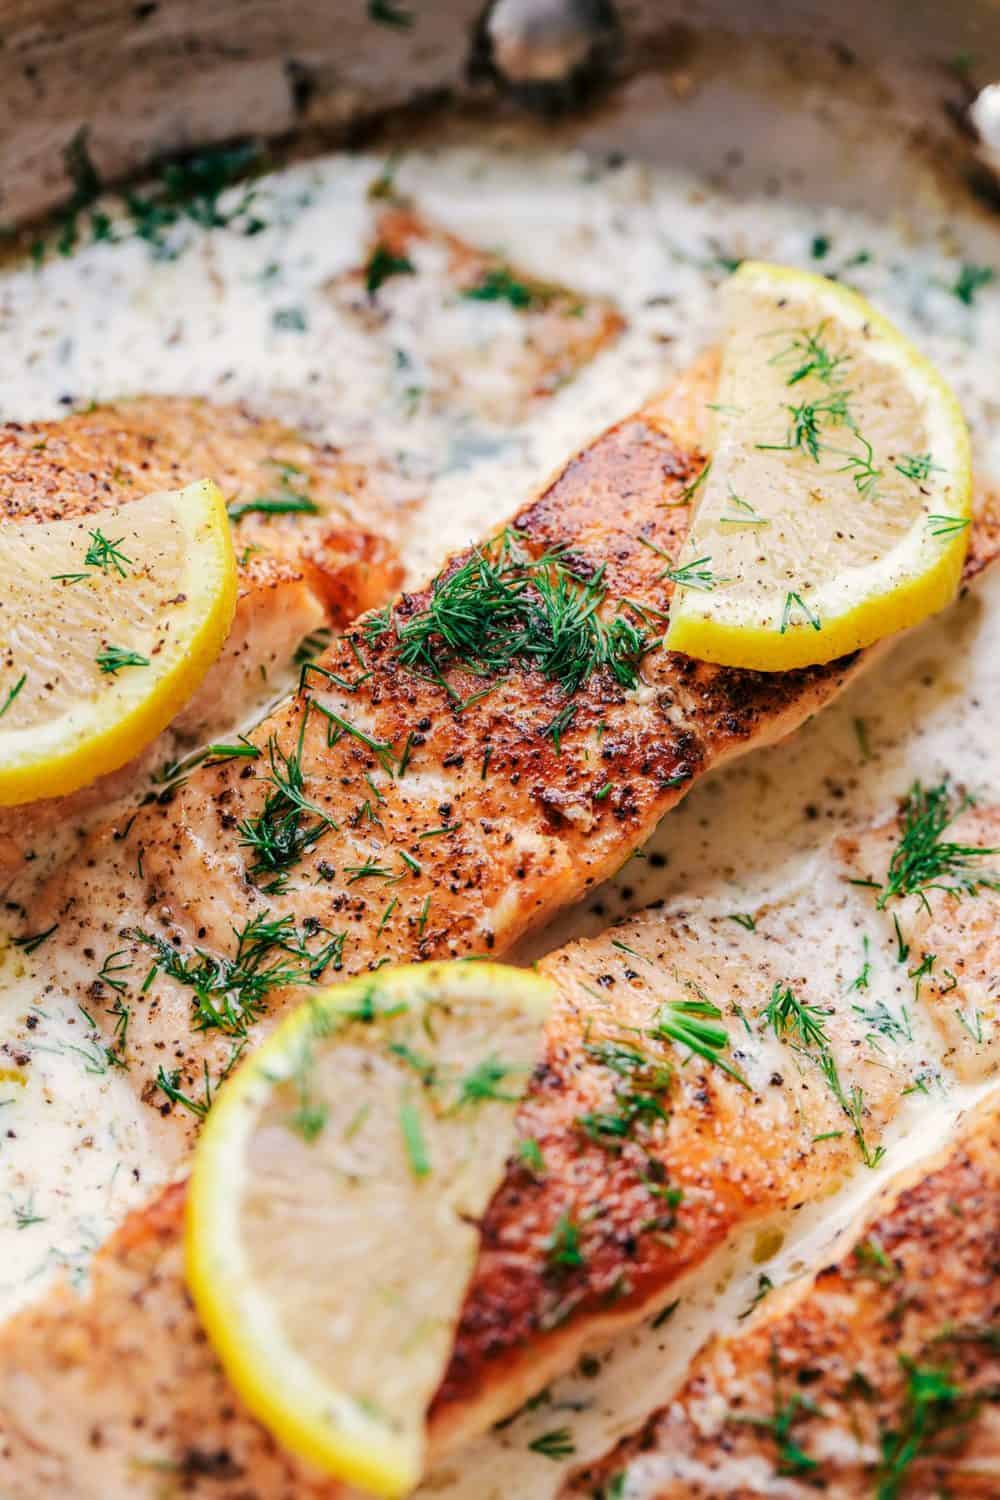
(111, 321)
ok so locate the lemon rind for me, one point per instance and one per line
(202, 510)
(930, 568)
(286, 1396)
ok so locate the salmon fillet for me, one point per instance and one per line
(121, 1384)
(508, 836)
(428, 818)
(454, 317)
(880, 1375)
(298, 572)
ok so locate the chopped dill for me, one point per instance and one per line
(785, 1014)
(231, 992)
(807, 422)
(502, 607)
(796, 601)
(692, 1024)
(924, 860)
(382, 265)
(562, 1248)
(557, 1444)
(916, 466)
(498, 284)
(792, 1459)
(808, 355)
(12, 693)
(933, 1412)
(288, 824)
(970, 280)
(745, 515)
(290, 504)
(413, 1138)
(111, 659)
(948, 525)
(103, 554)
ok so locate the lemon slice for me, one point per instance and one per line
(333, 1206)
(108, 622)
(836, 507)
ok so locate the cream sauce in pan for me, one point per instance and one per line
(255, 317)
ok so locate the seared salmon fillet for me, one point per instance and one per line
(921, 867)
(652, 1155)
(458, 819)
(315, 566)
(453, 315)
(393, 813)
(880, 1375)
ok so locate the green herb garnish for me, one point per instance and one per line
(111, 659)
(923, 860)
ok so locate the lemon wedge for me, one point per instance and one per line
(108, 623)
(334, 1200)
(836, 506)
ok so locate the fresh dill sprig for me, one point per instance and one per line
(948, 525)
(230, 992)
(808, 355)
(864, 474)
(924, 860)
(803, 1026)
(501, 607)
(103, 554)
(288, 824)
(111, 659)
(807, 423)
(786, 1014)
(916, 466)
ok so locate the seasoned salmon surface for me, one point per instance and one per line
(318, 563)
(458, 819)
(392, 811)
(651, 1156)
(453, 315)
(880, 1375)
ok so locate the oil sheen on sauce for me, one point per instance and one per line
(253, 318)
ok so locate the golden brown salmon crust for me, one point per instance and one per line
(440, 820)
(878, 1376)
(500, 840)
(298, 572)
(557, 330)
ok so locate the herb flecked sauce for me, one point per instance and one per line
(236, 316)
